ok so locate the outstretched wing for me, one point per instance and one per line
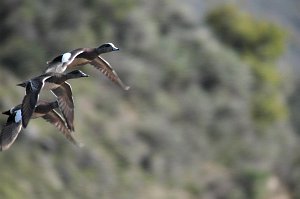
(54, 118)
(65, 103)
(33, 89)
(108, 71)
(9, 132)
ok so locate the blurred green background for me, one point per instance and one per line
(212, 113)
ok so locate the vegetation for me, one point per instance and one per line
(206, 116)
(260, 44)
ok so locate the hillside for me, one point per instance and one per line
(203, 118)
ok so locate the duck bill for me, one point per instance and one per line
(115, 49)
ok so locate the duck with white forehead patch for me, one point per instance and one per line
(82, 56)
(13, 126)
(56, 82)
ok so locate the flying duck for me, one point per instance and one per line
(82, 56)
(56, 82)
(45, 110)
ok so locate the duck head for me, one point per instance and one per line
(107, 47)
(76, 74)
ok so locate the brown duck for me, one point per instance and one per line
(82, 56)
(13, 126)
(56, 82)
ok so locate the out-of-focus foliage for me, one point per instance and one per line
(186, 129)
(259, 43)
(246, 34)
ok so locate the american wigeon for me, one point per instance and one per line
(43, 109)
(82, 56)
(56, 82)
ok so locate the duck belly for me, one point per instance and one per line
(37, 115)
(56, 68)
(50, 86)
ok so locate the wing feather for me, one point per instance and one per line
(108, 71)
(33, 89)
(9, 132)
(54, 118)
(56, 65)
(66, 103)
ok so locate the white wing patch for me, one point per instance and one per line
(65, 58)
(18, 116)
